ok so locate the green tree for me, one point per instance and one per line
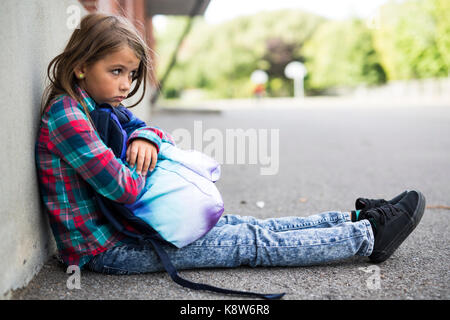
(221, 58)
(341, 53)
(412, 39)
(441, 12)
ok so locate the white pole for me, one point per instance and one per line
(299, 91)
(296, 70)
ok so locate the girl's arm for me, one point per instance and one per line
(72, 138)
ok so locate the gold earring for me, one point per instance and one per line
(81, 76)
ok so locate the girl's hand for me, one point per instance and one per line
(144, 153)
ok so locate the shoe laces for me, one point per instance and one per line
(382, 213)
(375, 202)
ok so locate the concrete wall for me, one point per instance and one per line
(32, 32)
(416, 89)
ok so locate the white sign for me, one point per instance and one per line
(295, 70)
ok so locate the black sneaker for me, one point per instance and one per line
(366, 204)
(392, 224)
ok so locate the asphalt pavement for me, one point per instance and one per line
(325, 157)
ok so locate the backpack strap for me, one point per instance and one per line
(173, 273)
(110, 130)
(109, 208)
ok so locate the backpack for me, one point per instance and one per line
(184, 192)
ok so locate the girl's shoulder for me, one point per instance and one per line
(58, 98)
(63, 102)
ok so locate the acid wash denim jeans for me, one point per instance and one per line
(247, 241)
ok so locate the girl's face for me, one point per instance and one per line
(109, 79)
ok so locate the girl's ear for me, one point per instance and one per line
(80, 72)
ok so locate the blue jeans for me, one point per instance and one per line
(237, 241)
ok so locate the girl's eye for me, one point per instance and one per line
(119, 71)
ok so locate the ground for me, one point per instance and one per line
(328, 156)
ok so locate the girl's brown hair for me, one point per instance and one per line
(98, 35)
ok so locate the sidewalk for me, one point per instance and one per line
(211, 106)
(328, 157)
(408, 275)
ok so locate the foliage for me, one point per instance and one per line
(221, 58)
(410, 39)
(413, 39)
(341, 53)
(441, 12)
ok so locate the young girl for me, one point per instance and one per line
(101, 61)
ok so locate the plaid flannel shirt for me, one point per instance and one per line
(69, 156)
